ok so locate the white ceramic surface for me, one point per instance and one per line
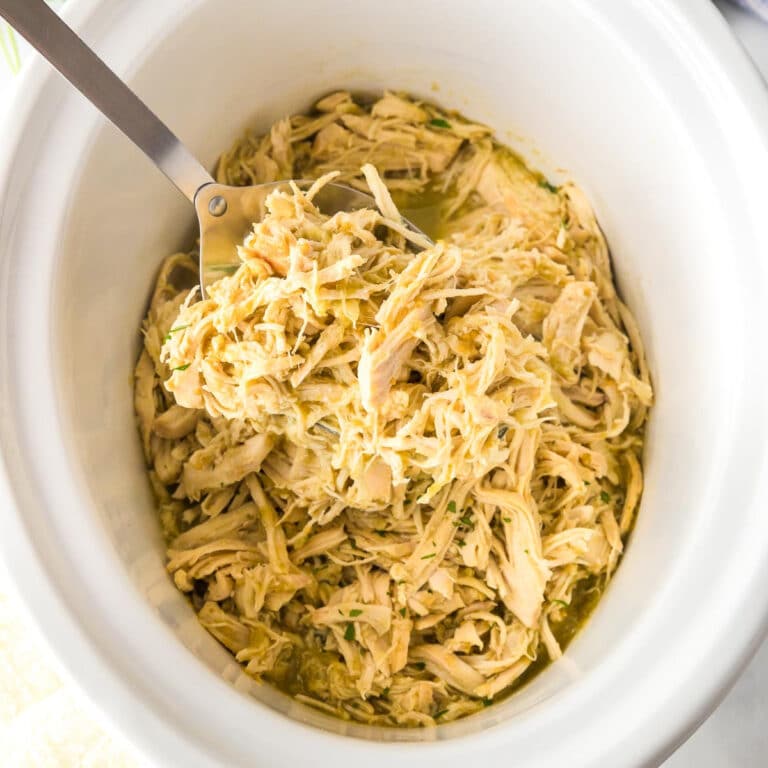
(651, 106)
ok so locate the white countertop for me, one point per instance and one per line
(44, 722)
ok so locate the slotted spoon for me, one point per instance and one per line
(224, 213)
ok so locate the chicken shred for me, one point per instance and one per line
(391, 472)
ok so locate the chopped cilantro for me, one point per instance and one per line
(174, 330)
(526, 552)
(486, 702)
(502, 431)
(438, 122)
(420, 665)
(507, 519)
(341, 613)
(467, 520)
(452, 507)
(181, 367)
(402, 611)
(561, 602)
(355, 612)
(380, 531)
(349, 632)
(544, 184)
(427, 557)
(586, 482)
(385, 692)
(440, 713)
(605, 497)
(461, 543)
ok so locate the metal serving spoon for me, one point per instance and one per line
(225, 213)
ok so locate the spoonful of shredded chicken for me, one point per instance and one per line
(225, 213)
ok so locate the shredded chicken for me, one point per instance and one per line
(392, 474)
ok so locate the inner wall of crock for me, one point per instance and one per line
(642, 174)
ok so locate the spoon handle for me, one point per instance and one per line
(46, 32)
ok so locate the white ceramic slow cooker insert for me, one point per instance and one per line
(649, 105)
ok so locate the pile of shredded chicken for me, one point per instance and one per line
(387, 467)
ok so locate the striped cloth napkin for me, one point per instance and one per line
(758, 7)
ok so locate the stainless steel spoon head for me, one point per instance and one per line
(226, 214)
